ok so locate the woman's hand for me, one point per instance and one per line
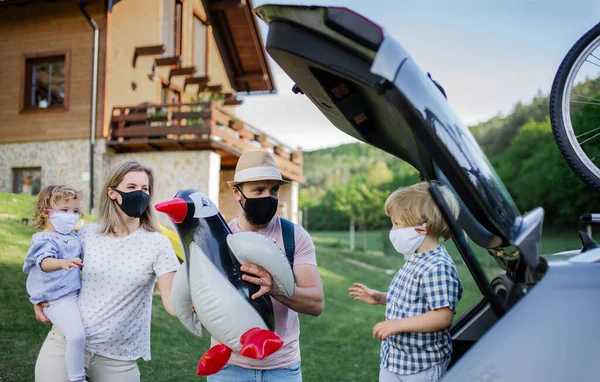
(361, 292)
(39, 312)
(259, 277)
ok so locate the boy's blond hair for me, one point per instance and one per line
(413, 206)
(47, 198)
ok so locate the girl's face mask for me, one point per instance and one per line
(63, 222)
(407, 240)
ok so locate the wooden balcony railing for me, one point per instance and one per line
(194, 126)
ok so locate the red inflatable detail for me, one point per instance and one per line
(176, 209)
(213, 360)
(259, 343)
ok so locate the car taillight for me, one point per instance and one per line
(354, 26)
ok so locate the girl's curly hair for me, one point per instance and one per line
(47, 199)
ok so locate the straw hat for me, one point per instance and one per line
(256, 165)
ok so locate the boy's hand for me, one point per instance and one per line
(362, 293)
(72, 263)
(386, 328)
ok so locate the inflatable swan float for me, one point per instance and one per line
(210, 279)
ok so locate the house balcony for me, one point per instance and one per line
(195, 126)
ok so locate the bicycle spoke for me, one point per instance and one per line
(587, 103)
(587, 132)
(593, 63)
(589, 139)
(594, 158)
(592, 54)
(582, 96)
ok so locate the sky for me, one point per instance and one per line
(488, 55)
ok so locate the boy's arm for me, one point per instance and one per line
(431, 321)
(442, 291)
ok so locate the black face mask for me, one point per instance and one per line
(259, 211)
(134, 203)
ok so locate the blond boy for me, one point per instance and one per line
(422, 298)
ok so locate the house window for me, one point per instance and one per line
(200, 45)
(46, 81)
(172, 27)
(177, 24)
(27, 180)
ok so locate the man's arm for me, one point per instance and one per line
(308, 293)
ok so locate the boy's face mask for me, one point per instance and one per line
(407, 240)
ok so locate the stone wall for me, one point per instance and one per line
(228, 206)
(288, 202)
(67, 162)
(61, 162)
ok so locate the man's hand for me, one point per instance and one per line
(39, 312)
(260, 277)
(361, 292)
(67, 264)
(386, 328)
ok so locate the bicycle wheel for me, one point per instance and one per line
(575, 107)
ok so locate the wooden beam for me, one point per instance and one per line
(183, 71)
(232, 102)
(252, 77)
(200, 81)
(152, 50)
(223, 5)
(144, 131)
(167, 61)
(215, 88)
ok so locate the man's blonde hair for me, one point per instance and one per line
(47, 198)
(110, 219)
(413, 206)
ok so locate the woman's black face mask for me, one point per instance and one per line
(259, 211)
(134, 203)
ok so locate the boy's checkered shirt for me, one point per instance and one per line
(427, 281)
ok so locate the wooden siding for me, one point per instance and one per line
(49, 27)
(133, 23)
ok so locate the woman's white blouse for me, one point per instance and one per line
(118, 278)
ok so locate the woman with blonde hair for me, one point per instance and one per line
(124, 256)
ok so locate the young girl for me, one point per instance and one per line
(53, 262)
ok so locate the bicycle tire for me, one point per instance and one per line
(559, 130)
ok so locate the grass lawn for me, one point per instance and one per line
(335, 347)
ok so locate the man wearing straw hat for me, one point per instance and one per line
(256, 188)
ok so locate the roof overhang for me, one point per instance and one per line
(16, 2)
(238, 38)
